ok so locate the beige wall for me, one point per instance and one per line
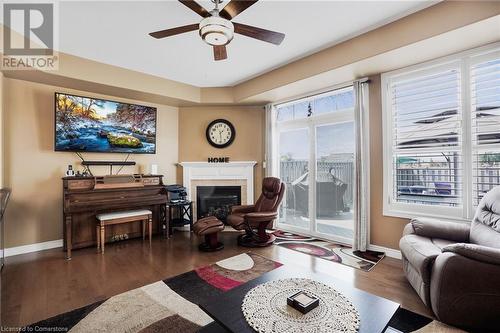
(1, 129)
(247, 146)
(33, 170)
(384, 231)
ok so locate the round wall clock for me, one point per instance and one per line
(220, 133)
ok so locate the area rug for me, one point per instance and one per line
(329, 251)
(405, 321)
(163, 306)
(169, 306)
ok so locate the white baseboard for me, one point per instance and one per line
(388, 251)
(13, 251)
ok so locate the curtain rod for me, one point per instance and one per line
(328, 90)
(311, 95)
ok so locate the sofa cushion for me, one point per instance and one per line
(485, 229)
(488, 210)
(441, 243)
(420, 253)
(482, 234)
(408, 229)
(477, 252)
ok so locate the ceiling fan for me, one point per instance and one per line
(216, 28)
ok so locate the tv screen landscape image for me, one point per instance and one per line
(85, 124)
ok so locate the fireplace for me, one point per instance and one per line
(216, 200)
(238, 174)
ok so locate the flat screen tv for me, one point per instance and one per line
(86, 124)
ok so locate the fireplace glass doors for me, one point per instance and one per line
(216, 200)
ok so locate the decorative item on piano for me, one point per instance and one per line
(70, 172)
(176, 193)
(153, 169)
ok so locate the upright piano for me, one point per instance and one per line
(85, 197)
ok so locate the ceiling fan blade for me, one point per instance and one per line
(259, 33)
(194, 6)
(235, 7)
(220, 52)
(174, 31)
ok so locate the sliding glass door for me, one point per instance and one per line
(335, 180)
(315, 145)
(294, 151)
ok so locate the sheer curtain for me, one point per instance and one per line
(270, 164)
(269, 160)
(362, 178)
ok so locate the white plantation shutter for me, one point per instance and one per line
(442, 135)
(427, 137)
(485, 121)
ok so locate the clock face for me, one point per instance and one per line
(220, 133)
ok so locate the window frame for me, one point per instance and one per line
(475, 148)
(310, 123)
(463, 62)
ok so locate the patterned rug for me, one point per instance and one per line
(163, 306)
(329, 251)
(169, 306)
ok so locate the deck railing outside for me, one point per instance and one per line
(325, 172)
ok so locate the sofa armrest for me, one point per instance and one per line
(260, 217)
(242, 209)
(434, 228)
(408, 230)
(464, 292)
(481, 253)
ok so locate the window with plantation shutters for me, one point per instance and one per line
(442, 135)
(427, 138)
(485, 114)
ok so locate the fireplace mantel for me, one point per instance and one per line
(214, 173)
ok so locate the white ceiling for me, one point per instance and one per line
(116, 32)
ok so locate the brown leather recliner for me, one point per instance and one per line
(455, 267)
(259, 216)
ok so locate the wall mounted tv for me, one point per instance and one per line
(86, 124)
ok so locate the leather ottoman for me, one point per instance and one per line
(209, 227)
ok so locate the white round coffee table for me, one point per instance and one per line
(266, 310)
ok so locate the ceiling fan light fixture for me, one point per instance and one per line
(215, 30)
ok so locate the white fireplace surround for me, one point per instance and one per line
(212, 174)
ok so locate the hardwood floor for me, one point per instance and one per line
(39, 285)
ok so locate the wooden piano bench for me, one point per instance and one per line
(143, 215)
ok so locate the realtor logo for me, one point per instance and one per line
(28, 36)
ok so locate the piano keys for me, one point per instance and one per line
(82, 201)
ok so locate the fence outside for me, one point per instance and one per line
(485, 178)
(412, 180)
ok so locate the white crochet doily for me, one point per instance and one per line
(266, 311)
